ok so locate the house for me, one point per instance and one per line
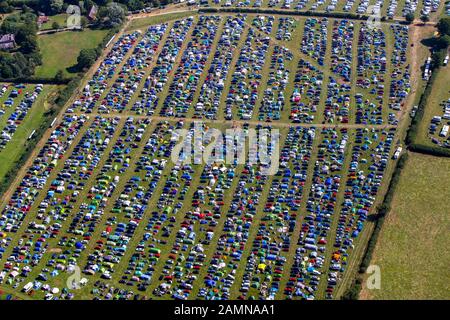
(7, 41)
(42, 19)
(93, 13)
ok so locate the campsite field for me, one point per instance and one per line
(54, 58)
(14, 148)
(392, 9)
(144, 22)
(104, 202)
(439, 95)
(412, 247)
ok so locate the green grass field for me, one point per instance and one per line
(60, 50)
(412, 248)
(14, 148)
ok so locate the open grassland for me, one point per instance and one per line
(412, 250)
(60, 50)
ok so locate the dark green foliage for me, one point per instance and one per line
(5, 7)
(59, 76)
(352, 293)
(111, 15)
(20, 63)
(86, 58)
(437, 58)
(409, 18)
(443, 26)
(67, 92)
(431, 150)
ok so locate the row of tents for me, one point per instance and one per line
(371, 71)
(212, 89)
(19, 113)
(190, 68)
(154, 84)
(133, 71)
(246, 79)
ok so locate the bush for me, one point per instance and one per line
(67, 92)
(409, 18)
(443, 26)
(437, 58)
(430, 150)
(5, 7)
(55, 25)
(352, 293)
(424, 18)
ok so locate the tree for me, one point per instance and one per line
(86, 58)
(55, 25)
(133, 5)
(5, 7)
(84, 22)
(59, 76)
(438, 58)
(409, 17)
(445, 41)
(112, 15)
(29, 44)
(443, 26)
(424, 18)
(56, 5)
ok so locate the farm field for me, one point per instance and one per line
(112, 202)
(413, 241)
(54, 59)
(21, 120)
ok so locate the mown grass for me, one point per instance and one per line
(60, 50)
(412, 248)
